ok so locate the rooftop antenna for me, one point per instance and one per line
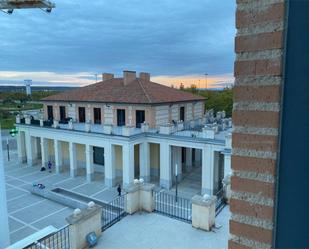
(8, 6)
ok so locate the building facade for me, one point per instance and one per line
(125, 128)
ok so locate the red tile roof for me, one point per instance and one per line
(136, 92)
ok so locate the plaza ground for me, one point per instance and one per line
(153, 231)
(29, 213)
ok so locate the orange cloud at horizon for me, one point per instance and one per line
(86, 78)
(213, 81)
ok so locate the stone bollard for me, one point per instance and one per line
(146, 197)
(145, 127)
(107, 129)
(227, 188)
(56, 124)
(139, 197)
(203, 212)
(87, 126)
(41, 122)
(27, 119)
(17, 119)
(132, 199)
(82, 222)
(70, 123)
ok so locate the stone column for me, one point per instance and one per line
(207, 170)
(110, 168)
(73, 159)
(227, 164)
(203, 212)
(188, 159)
(21, 150)
(198, 157)
(4, 234)
(89, 162)
(176, 160)
(44, 151)
(144, 159)
(29, 149)
(58, 156)
(128, 164)
(165, 166)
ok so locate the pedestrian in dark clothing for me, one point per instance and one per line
(119, 190)
(49, 165)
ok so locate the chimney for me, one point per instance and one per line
(128, 76)
(107, 76)
(144, 76)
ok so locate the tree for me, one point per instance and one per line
(181, 87)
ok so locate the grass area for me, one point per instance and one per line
(8, 111)
(7, 123)
(21, 107)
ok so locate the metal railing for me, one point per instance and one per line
(167, 204)
(113, 212)
(57, 240)
(221, 202)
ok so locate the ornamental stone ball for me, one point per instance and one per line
(91, 204)
(77, 212)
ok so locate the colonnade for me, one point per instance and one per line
(32, 149)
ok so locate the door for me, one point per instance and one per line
(98, 155)
(140, 118)
(50, 114)
(182, 113)
(97, 115)
(81, 114)
(62, 113)
(121, 117)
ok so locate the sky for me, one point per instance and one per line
(175, 40)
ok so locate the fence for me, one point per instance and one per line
(167, 204)
(113, 212)
(220, 201)
(57, 240)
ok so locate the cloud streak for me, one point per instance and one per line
(165, 37)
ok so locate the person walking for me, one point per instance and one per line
(119, 190)
(49, 165)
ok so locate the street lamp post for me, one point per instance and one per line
(8, 148)
(176, 175)
(206, 74)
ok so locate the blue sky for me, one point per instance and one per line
(177, 41)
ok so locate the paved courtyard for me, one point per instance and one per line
(154, 231)
(29, 213)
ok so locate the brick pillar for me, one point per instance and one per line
(257, 95)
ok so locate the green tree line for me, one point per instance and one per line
(216, 100)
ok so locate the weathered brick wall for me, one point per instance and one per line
(258, 71)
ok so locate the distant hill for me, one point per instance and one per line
(35, 88)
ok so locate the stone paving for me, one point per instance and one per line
(154, 231)
(29, 213)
